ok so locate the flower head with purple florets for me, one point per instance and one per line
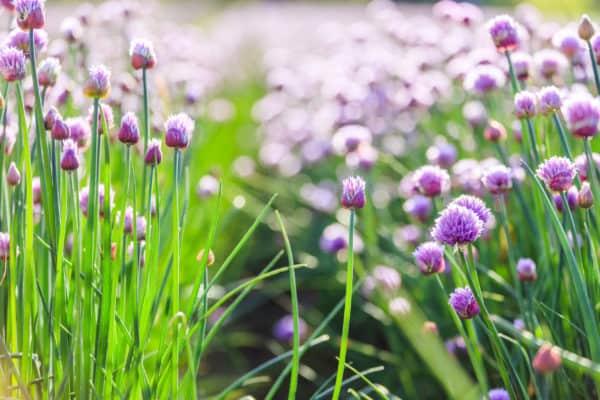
(457, 226)
(178, 131)
(129, 132)
(430, 258)
(19, 39)
(476, 205)
(550, 100)
(97, 85)
(30, 14)
(431, 180)
(353, 192)
(12, 64)
(582, 114)
(498, 394)
(497, 179)
(464, 303)
(558, 173)
(525, 105)
(504, 32)
(142, 54)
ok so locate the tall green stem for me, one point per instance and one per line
(175, 277)
(347, 309)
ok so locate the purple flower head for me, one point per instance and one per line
(207, 186)
(526, 269)
(70, 156)
(37, 190)
(568, 43)
(497, 179)
(430, 258)
(550, 100)
(476, 205)
(84, 195)
(595, 42)
(457, 226)
(483, 79)
(353, 192)
(525, 105)
(129, 132)
(494, 131)
(71, 29)
(141, 228)
(549, 63)
(581, 164)
(582, 114)
(522, 65)
(572, 195)
(464, 303)
(585, 197)
(519, 324)
(20, 40)
(97, 85)
(431, 180)
(60, 129)
(13, 176)
(442, 154)
(142, 54)
(80, 131)
(128, 221)
(30, 14)
(504, 32)
(12, 64)
(284, 329)
(4, 246)
(419, 206)
(475, 113)
(558, 173)
(51, 117)
(154, 153)
(498, 394)
(178, 131)
(547, 359)
(48, 72)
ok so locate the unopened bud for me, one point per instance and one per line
(585, 198)
(211, 257)
(586, 29)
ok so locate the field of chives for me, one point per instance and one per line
(297, 200)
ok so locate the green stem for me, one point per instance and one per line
(347, 308)
(594, 66)
(562, 135)
(295, 312)
(146, 132)
(175, 277)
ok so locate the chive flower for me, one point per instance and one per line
(581, 164)
(522, 65)
(418, 206)
(154, 153)
(97, 85)
(585, 197)
(178, 131)
(572, 195)
(12, 64)
(20, 39)
(483, 79)
(51, 115)
(60, 129)
(504, 32)
(498, 179)
(586, 29)
(129, 132)
(105, 110)
(431, 180)
(80, 131)
(13, 176)
(457, 226)
(48, 72)
(526, 269)
(284, 329)
(494, 131)
(525, 105)
(70, 156)
(430, 258)
(464, 303)
(353, 192)
(547, 359)
(142, 54)
(550, 100)
(550, 63)
(30, 14)
(558, 173)
(582, 114)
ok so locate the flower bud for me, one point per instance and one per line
(526, 269)
(154, 154)
(494, 131)
(353, 192)
(129, 132)
(142, 54)
(97, 85)
(60, 130)
(48, 72)
(30, 14)
(211, 257)
(178, 131)
(4, 246)
(70, 156)
(13, 176)
(51, 117)
(585, 198)
(586, 28)
(547, 359)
